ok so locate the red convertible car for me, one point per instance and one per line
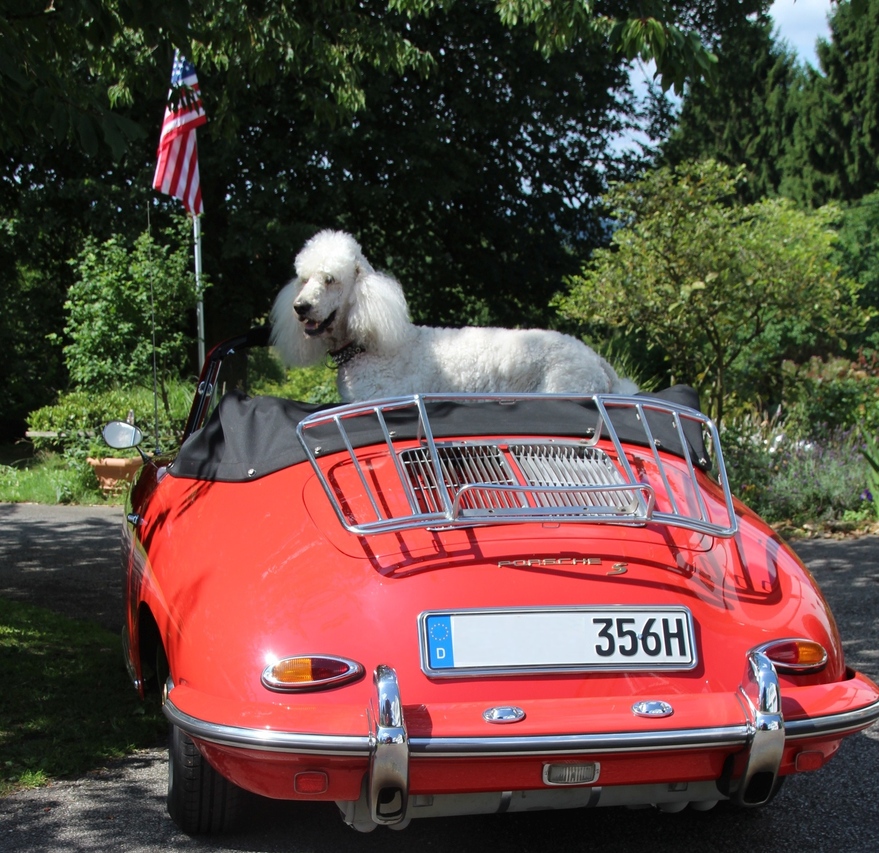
(458, 604)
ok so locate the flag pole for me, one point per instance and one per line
(196, 234)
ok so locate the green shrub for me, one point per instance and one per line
(870, 452)
(837, 394)
(123, 294)
(72, 427)
(793, 480)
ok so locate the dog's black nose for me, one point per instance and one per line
(302, 308)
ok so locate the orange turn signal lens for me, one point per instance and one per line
(310, 672)
(795, 656)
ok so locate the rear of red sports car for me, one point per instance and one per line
(453, 605)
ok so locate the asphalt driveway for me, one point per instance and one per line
(67, 559)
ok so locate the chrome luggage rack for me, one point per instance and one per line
(384, 468)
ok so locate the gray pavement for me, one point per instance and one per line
(67, 558)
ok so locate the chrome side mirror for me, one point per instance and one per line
(121, 435)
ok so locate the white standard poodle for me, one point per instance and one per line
(338, 304)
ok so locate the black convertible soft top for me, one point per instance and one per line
(249, 437)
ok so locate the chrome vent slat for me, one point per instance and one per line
(423, 481)
(460, 465)
(575, 466)
(458, 483)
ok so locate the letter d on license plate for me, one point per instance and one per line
(562, 639)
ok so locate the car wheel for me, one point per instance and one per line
(200, 800)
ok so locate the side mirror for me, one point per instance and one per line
(121, 435)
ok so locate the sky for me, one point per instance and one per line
(800, 23)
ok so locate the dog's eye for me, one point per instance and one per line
(328, 279)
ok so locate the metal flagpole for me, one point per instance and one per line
(153, 324)
(196, 231)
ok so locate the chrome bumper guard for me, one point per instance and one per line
(389, 759)
(763, 706)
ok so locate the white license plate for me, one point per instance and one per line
(562, 639)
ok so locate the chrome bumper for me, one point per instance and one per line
(385, 798)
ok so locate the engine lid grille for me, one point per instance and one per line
(565, 475)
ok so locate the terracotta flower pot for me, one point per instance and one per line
(112, 473)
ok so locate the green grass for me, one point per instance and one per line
(46, 478)
(66, 704)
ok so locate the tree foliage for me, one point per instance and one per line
(808, 134)
(468, 162)
(857, 252)
(65, 65)
(475, 186)
(834, 147)
(61, 65)
(748, 117)
(722, 291)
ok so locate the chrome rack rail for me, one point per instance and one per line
(383, 469)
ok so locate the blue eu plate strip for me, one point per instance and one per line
(439, 642)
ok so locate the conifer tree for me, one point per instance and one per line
(747, 119)
(833, 153)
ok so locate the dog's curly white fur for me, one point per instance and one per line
(338, 303)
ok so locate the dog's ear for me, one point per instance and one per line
(295, 348)
(379, 315)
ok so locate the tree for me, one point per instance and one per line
(66, 65)
(472, 185)
(722, 291)
(834, 149)
(60, 61)
(809, 135)
(462, 183)
(748, 117)
(476, 183)
(857, 252)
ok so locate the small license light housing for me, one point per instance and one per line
(585, 773)
(795, 656)
(310, 672)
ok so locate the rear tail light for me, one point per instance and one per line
(310, 672)
(795, 657)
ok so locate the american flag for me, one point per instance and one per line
(177, 168)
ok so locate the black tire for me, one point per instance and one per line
(200, 800)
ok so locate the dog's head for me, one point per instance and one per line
(327, 271)
(309, 315)
(336, 298)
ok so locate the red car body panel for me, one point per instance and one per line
(228, 577)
